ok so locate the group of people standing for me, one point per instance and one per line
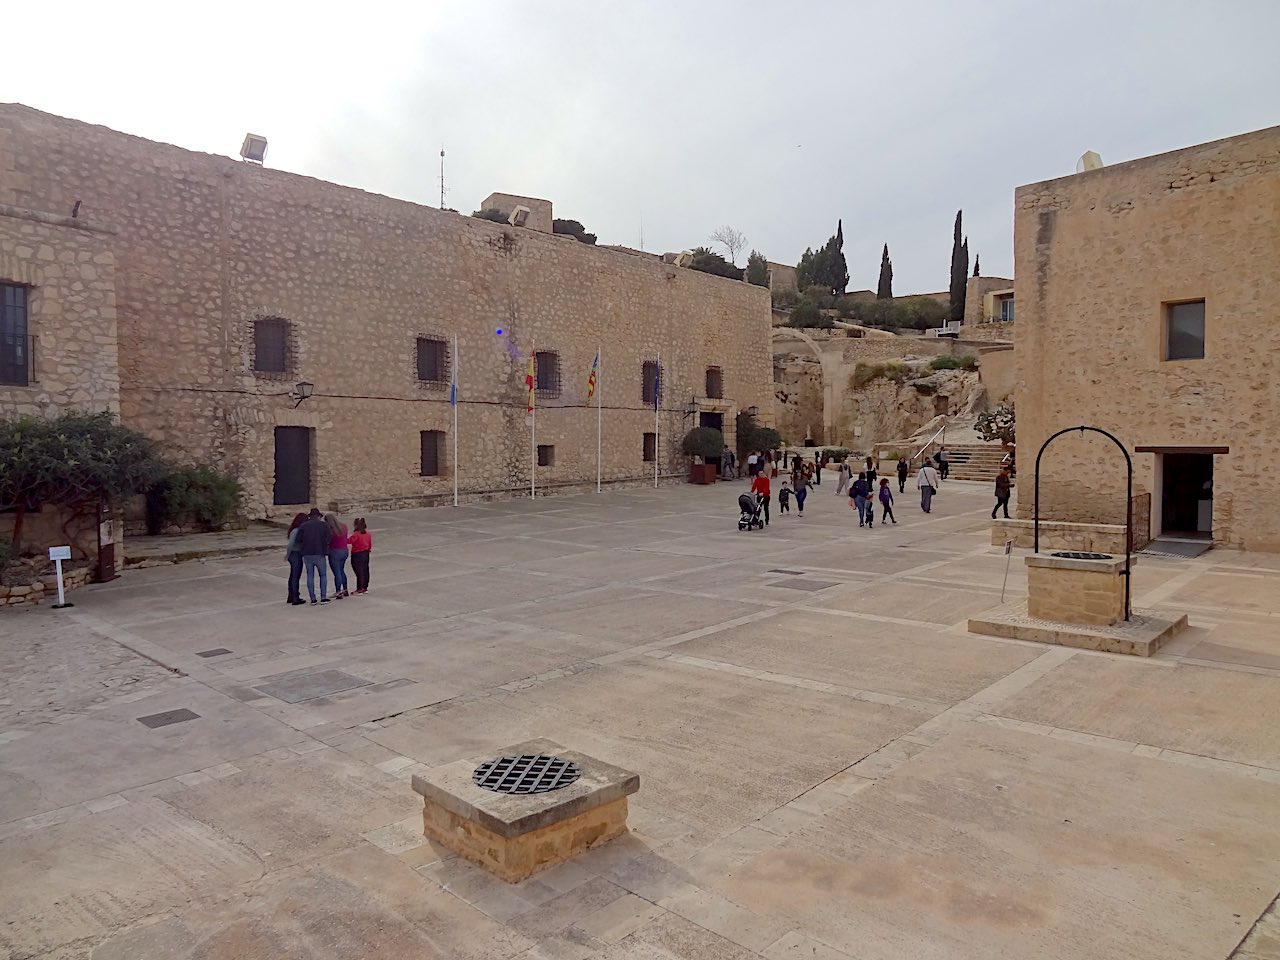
(317, 542)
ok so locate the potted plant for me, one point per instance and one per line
(705, 444)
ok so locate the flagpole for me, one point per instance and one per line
(455, 419)
(657, 400)
(533, 424)
(599, 418)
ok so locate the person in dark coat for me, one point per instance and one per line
(1004, 488)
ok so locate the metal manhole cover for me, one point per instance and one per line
(526, 773)
(169, 716)
(1081, 555)
(215, 652)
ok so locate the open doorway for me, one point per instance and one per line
(1186, 498)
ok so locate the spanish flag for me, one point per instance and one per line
(530, 379)
(591, 379)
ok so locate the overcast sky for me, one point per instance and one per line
(776, 118)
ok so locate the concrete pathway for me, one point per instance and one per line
(831, 767)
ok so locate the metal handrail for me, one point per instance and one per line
(941, 432)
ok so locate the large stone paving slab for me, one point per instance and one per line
(109, 750)
(999, 843)
(1226, 714)
(930, 601)
(887, 658)
(712, 749)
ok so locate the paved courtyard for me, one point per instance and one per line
(831, 766)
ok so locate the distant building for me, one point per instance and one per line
(988, 299)
(194, 294)
(1146, 297)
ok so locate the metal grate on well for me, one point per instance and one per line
(1081, 555)
(526, 773)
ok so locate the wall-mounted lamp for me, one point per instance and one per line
(301, 390)
(752, 411)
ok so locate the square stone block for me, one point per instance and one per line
(517, 835)
(1072, 590)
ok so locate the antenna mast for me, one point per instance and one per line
(441, 177)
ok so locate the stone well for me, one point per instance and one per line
(517, 834)
(1077, 589)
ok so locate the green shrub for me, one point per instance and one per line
(836, 453)
(865, 373)
(200, 496)
(954, 363)
(6, 554)
(806, 314)
(574, 229)
(704, 442)
(497, 216)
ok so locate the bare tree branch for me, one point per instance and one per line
(733, 241)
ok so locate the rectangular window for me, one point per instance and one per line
(649, 374)
(1004, 307)
(715, 383)
(1184, 330)
(650, 447)
(547, 372)
(433, 360)
(546, 455)
(271, 345)
(15, 359)
(432, 452)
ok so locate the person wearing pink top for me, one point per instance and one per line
(338, 550)
(361, 546)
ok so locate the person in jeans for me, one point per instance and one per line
(293, 553)
(361, 546)
(1004, 487)
(886, 502)
(927, 484)
(944, 463)
(860, 493)
(338, 552)
(313, 541)
(800, 483)
(760, 485)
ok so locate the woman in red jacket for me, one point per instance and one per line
(361, 546)
(760, 485)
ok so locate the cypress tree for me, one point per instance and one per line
(839, 234)
(959, 270)
(884, 289)
(976, 260)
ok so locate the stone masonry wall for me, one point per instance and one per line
(206, 245)
(69, 270)
(1097, 257)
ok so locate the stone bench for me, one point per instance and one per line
(515, 835)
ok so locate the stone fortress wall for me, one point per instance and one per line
(1098, 256)
(204, 246)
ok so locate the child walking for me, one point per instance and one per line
(886, 501)
(361, 546)
(784, 498)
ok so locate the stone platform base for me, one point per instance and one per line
(513, 835)
(1141, 636)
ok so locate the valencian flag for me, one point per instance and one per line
(657, 383)
(530, 379)
(591, 379)
(453, 381)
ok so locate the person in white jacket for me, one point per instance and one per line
(927, 484)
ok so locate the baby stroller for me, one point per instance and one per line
(750, 518)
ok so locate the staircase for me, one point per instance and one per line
(975, 461)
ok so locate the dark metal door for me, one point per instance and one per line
(293, 465)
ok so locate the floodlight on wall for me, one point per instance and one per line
(1089, 160)
(684, 258)
(301, 391)
(254, 148)
(519, 216)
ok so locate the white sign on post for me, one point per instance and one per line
(57, 555)
(1008, 549)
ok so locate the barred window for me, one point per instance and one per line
(546, 455)
(715, 383)
(649, 385)
(432, 452)
(433, 360)
(650, 447)
(14, 343)
(271, 345)
(547, 372)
